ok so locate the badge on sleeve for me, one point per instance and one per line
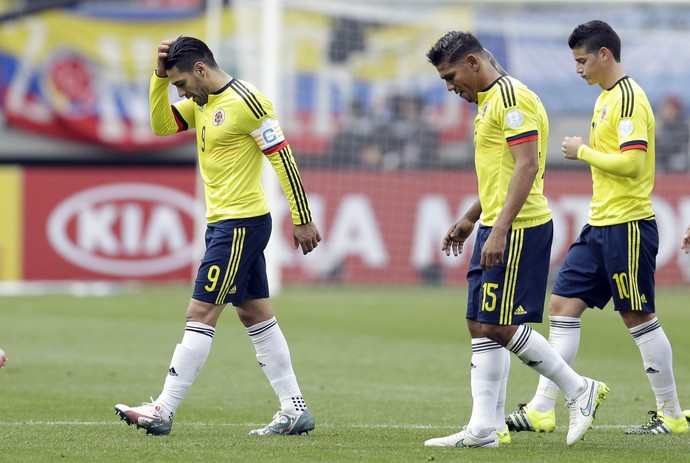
(625, 127)
(514, 118)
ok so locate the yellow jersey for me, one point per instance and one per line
(622, 120)
(235, 130)
(508, 113)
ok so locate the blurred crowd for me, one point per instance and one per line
(397, 137)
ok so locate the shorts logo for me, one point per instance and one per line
(233, 290)
(514, 118)
(218, 117)
(625, 127)
(520, 311)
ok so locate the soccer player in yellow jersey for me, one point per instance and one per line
(236, 129)
(510, 261)
(615, 255)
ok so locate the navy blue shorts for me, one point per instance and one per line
(616, 261)
(512, 293)
(234, 267)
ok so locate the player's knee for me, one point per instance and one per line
(498, 333)
(566, 307)
(253, 311)
(203, 312)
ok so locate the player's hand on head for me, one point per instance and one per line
(306, 236)
(163, 49)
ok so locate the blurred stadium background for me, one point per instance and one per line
(88, 193)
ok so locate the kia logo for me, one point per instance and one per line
(124, 229)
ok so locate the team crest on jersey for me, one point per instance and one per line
(514, 118)
(218, 117)
(625, 127)
(604, 110)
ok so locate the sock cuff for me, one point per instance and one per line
(519, 339)
(201, 328)
(647, 327)
(559, 321)
(262, 327)
(480, 345)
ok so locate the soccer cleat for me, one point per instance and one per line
(284, 423)
(504, 437)
(687, 415)
(3, 358)
(466, 439)
(147, 416)
(660, 424)
(527, 419)
(583, 409)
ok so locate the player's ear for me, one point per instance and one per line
(604, 53)
(199, 68)
(472, 61)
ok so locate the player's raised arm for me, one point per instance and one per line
(167, 119)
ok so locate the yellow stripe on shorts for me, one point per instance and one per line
(238, 235)
(517, 238)
(634, 265)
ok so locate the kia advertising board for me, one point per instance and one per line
(377, 227)
(112, 223)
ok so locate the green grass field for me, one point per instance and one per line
(381, 369)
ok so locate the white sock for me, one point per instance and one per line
(657, 358)
(500, 418)
(535, 352)
(273, 356)
(564, 337)
(187, 360)
(486, 373)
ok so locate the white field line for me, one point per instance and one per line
(320, 425)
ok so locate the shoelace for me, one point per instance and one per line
(570, 405)
(149, 403)
(654, 420)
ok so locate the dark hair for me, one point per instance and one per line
(593, 35)
(452, 47)
(185, 51)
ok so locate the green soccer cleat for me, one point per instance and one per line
(687, 415)
(284, 423)
(660, 424)
(504, 437)
(527, 419)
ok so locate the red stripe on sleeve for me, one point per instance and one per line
(523, 140)
(276, 148)
(641, 146)
(181, 123)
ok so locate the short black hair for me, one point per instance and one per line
(452, 47)
(185, 51)
(593, 35)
